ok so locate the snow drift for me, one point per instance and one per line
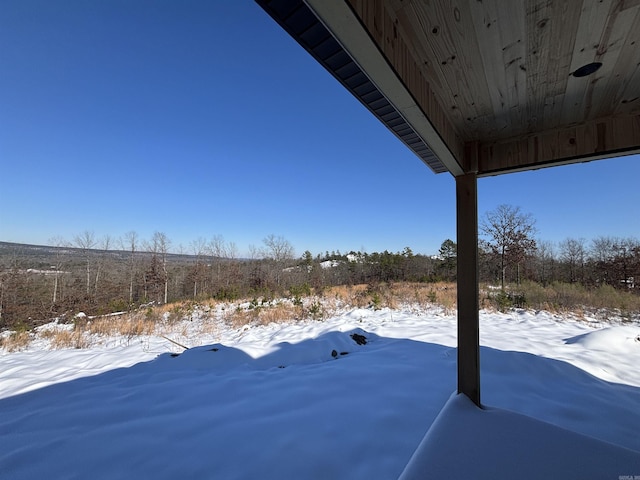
(303, 400)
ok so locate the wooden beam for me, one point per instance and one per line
(468, 290)
(604, 138)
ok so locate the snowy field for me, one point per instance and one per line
(306, 400)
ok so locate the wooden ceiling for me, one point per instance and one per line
(489, 85)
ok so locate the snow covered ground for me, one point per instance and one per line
(302, 400)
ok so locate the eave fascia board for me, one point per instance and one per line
(344, 25)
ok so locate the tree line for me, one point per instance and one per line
(100, 276)
(509, 252)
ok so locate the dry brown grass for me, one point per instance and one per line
(408, 293)
(361, 296)
(128, 325)
(166, 319)
(278, 312)
(171, 313)
(16, 341)
(388, 297)
(84, 332)
(566, 298)
(353, 295)
(209, 328)
(395, 295)
(260, 312)
(62, 338)
(241, 317)
(446, 296)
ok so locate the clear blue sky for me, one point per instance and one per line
(202, 118)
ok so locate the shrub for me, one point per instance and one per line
(227, 294)
(376, 301)
(504, 300)
(316, 311)
(501, 301)
(118, 305)
(15, 341)
(303, 290)
(431, 296)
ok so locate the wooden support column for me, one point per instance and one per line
(468, 290)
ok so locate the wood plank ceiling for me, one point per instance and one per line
(494, 79)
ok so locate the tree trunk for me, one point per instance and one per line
(502, 269)
(55, 289)
(88, 278)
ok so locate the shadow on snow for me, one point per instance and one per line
(322, 408)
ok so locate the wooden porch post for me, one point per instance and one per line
(468, 290)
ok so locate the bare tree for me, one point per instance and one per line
(58, 242)
(158, 272)
(162, 244)
(509, 236)
(601, 255)
(546, 261)
(104, 245)
(254, 252)
(279, 251)
(232, 268)
(199, 249)
(217, 250)
(572, 252)
(602, 249)
(231, 251)
(130, 243)
(86, 241)
(625, 260)
(8, 291)
(2, 289)
(278, 248)
(616, 261)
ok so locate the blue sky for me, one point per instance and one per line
(203, 118)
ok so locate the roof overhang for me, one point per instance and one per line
(484, 87)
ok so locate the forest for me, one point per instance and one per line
(101, 276)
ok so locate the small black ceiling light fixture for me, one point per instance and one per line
(587, 69)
